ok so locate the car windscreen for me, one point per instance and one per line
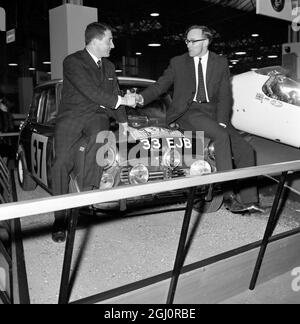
(270, 69)
(280, 87)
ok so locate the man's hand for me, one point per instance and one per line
(132, 99)
(123, 128)
(139, 99)
(129, 99)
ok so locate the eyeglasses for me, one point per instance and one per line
(193, 41)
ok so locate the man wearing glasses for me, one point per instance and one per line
(202, 101)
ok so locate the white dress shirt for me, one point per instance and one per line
(204, 61)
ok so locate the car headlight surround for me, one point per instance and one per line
(139, 174)
(200, 167)
(211, 151)
(171, 158)
(107, 181)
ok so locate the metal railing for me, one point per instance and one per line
(73, 201)
(9, 134)
(77, 200)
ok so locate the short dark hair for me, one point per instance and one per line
(207, 32)
(95, 30)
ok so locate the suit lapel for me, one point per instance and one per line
(99, 74)
(191, 71)
(209, 72)
(87, 57)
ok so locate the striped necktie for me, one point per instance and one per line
(201, 94)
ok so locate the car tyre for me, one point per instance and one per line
(211, 206)
(25, 180)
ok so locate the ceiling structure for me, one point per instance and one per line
(246, 5)
(233, 20)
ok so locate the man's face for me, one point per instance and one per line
(104, 45)
(200, 47)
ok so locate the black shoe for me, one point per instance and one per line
(255, 208)
(233, 205)
(59, 232)
(4, 232)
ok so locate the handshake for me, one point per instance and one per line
(132, 99)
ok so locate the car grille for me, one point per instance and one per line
(154, 175)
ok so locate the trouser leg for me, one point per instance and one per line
(65, 144)
(244, 157)
(93, 169)
(60, 181)
(216, 133)
(228, 143)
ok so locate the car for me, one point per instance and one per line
(151, 151)
(267, 104)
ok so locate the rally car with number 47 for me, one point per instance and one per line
(149, 152)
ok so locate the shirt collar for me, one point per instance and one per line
(95, 58)
(204, 58)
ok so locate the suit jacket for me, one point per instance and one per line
(85, 89)
(181, 74)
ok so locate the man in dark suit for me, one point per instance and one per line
(90, 96)
(202, 101)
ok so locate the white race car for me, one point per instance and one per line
(267, 104)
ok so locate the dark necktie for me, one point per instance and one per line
(201, 94)
(99, 63)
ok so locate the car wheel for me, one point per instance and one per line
(25, 180)
(209, 206)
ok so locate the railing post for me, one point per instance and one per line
(180, 256)
(64, 285)
(273, 219)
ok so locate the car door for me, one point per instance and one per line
(42, 136)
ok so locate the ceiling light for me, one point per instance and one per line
(254, 69)
(47, 63)
(154, 45)
(273, 56)
(259, 58)
(154, 14)
(31, 69)
(255, 35)
(138, 53)
(240, 53)
(119, 71)
(13, 64)
(234, 61)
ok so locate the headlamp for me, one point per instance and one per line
(139, 174)
(211, 150)
(171, 159)
(107, 181)
(200, 167)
